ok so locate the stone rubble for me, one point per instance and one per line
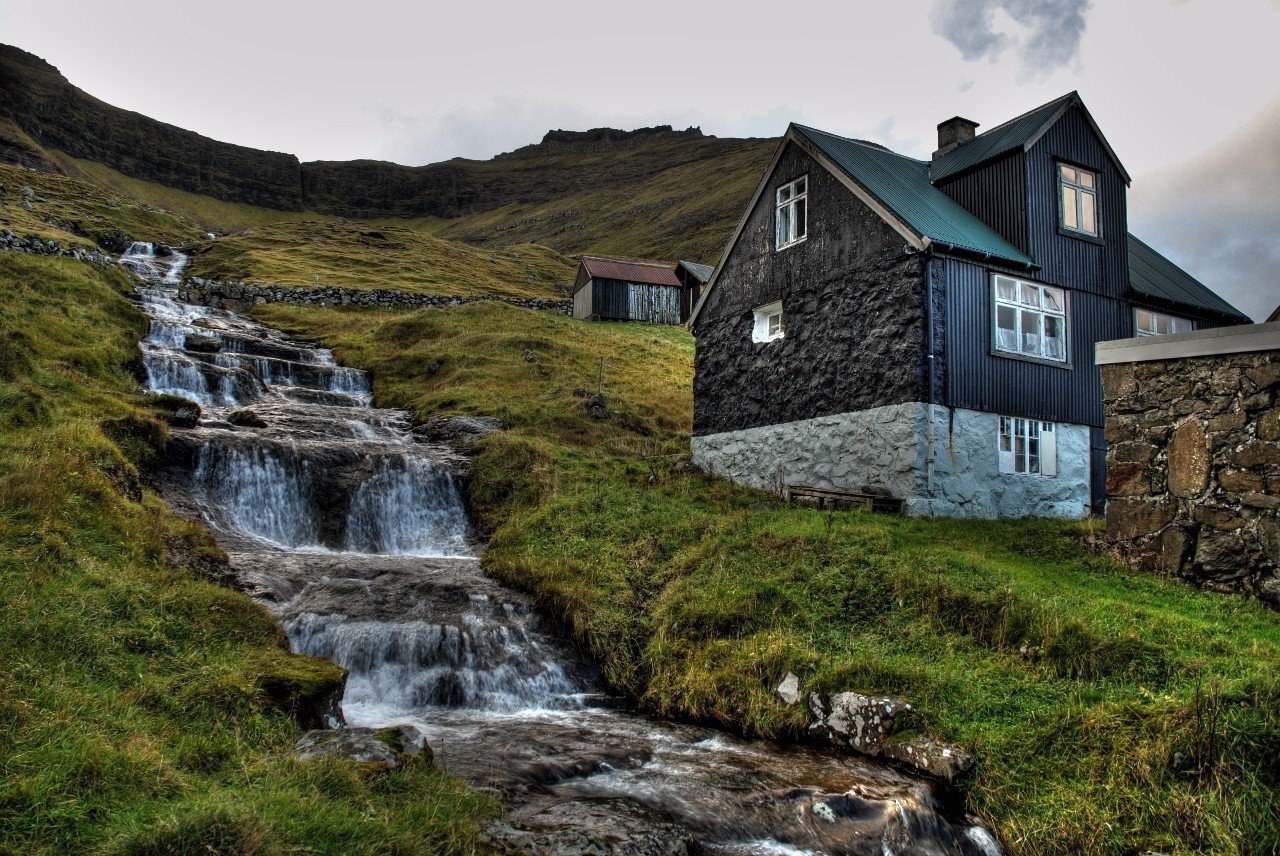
(50, 247)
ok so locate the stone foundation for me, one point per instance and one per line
(892, 449)
(1193, 483)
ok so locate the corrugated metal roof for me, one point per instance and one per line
(1003, 138)
(1154, 276)
(701, 272)
(1016, 133)
(901, 184)
(653, 273)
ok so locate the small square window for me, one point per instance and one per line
(1078, 198)
(791, 222)
(768, 323)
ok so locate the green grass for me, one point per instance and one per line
(357, 255)
(1113, 712)
(142, 708)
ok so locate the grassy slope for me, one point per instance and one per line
(362, 256)
(1114, 712)
(672, 198)
(140, 706)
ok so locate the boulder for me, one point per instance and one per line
(460, 433)
(789, 689)
(202, 344)
(383, 749)
(599, 827)
(245, 417)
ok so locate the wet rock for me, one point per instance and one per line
(873, 726)
(385, 749)
(460, 433)
(789, 689)
(607, 827)
(246, 418)
(25, 205)
(202, 344)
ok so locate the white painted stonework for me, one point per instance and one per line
(944, 466)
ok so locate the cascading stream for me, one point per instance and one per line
(355, 534)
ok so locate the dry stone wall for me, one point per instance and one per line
(240, 295)
(1193, 468)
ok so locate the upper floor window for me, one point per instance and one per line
(1149, 323)
(1031, 319)
(1078, 189)
(768, 322)
(792, 212)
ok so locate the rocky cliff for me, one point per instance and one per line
(47, 109)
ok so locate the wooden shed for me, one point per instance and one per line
(693, 277)
(620, 290)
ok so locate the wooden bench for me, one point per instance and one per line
(839, 500)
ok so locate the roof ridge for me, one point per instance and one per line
(623, 260)
(856, 141)
(1026, 113)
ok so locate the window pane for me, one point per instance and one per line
(1052, 299)
(1006, 436)
(775, 324)
(784, 193)
(1019, 453)
(1087, 220)
(802, 185)
(1006, 328)
(1006, 289)
(1053, 345)
(1030, 332)
(1146, 324)
(784, 224)
(798, 209)
(1030, 295)
(1069, 216)
(1181, 325)
(1085, 178)
(1162, 324)
(1067, 172)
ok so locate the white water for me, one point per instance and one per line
(356, 534)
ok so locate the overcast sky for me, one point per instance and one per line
(1187, 91)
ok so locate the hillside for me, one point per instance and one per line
(1114, 713)
(649, 192)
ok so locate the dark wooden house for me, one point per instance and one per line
(881, 324)
(693, 277)
(620, 290)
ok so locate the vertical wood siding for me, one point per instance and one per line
(997, 195)
(582, 302)
(615, 300)
(979, 380)
(1079, 264)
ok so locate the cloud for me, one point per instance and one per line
(1217, 214)
(1046, 33)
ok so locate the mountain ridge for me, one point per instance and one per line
(547, 192)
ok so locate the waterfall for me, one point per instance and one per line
(355, 533)
(262, 493)
(408, 506)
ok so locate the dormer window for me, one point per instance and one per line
(792, 212)
(1078, 193)
(1149, 323)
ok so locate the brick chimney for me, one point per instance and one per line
(954, 132)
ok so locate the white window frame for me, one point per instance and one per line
(1147, 322)
(790, 229)
(1043, 306)
(769, 324)
(1077, 193)
(1027, 447)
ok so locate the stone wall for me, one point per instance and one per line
(51, 247)
(892, 449)
(1193, 480)
(239, 295)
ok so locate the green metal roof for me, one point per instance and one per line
(1014, 134)
(901, 184)
(1152, 275)
(702, 272)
